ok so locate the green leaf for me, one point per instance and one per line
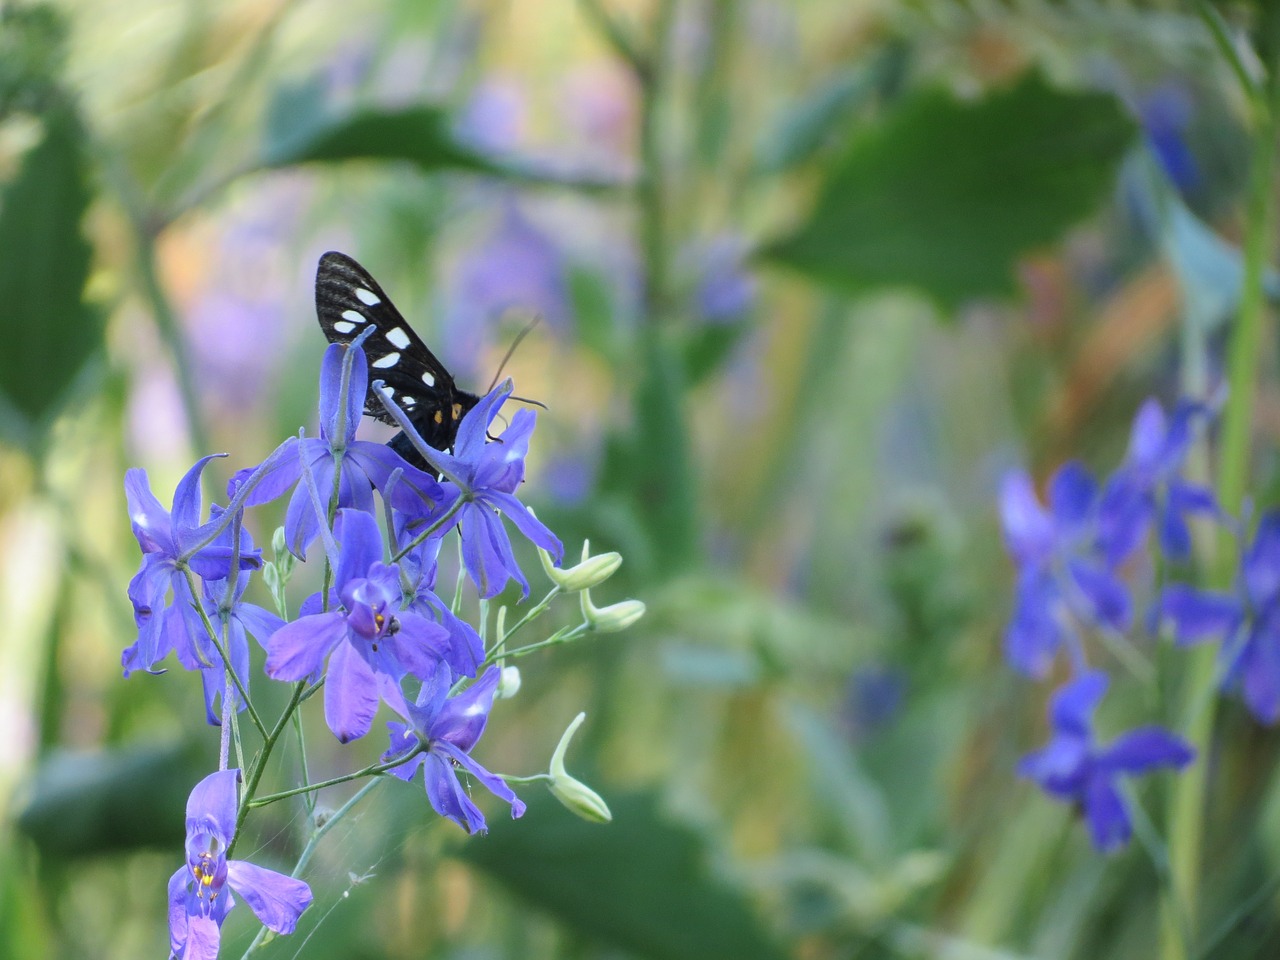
(49, 331)
(945, 195)
(299, 130)
(81, 804)
(640, 883)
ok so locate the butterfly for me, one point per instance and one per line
(348, 300)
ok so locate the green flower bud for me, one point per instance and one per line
(591, 572)
(509, 683)
(611, 619)
(577, 797)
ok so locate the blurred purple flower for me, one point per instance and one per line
(493, 118)
(517, 266)
(1149, 485)
(1247, 619)
(448, 728)
(200, 891)
(726, 291)
(1165, 114)
(1073, 768)
(369, 642)
(1064, 576)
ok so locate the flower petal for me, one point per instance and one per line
(1028, 528)
(1144, 749)
(149, 520)
(1072, 492)
(1198, 615)
(534, 530)
(447, 796)
(297, 650)
(187, 498)
(332, 428)
(1072, 706)
(276, 481)
(1107, 815)
(359, 545)
(212, 804)
(1262, 561)
(350, 694)
(420, 644)
(275, 899)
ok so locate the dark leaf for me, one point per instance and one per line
(81, 804)
(300, 130)
(641, 883)
(49, 331)
(945, 195)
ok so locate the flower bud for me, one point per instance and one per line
(577, 797)
(591, 572)
(611, 619)
(508, 683)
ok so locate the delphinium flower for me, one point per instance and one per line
(222, 604)
(1149, 486)
(1248, 620)
(1066, 573)
(370, 643)
(200, 892)
(418, 569)
(360, 465)
(484, 476)
(172, 542)
(447, 728)
(1074, 768)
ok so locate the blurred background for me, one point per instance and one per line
(809, 279)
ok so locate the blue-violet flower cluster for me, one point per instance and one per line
(375, 633)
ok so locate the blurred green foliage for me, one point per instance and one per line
(809, 743)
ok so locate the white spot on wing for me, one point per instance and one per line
(353, 316)
(343, 327)
(428, 379)
(397, 336)
(384, 363)
(388, 391)
(367, 297)
(408, 401)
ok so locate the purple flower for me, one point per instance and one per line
(725, 292)
(516, 267)
(198, 896)
(1075, 769)
(448, 728)
(418, 577)
(370, 645)
(360, 465)
(241, 618)
(1166, 113)
(1064, 578)
(172, 542)
(1149, 487)
(485, 476)
(1248, 619)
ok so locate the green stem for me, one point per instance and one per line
(369, 771)
(1186, 823)
(305, 857)
(259, 766)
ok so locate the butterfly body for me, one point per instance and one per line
(348, 300)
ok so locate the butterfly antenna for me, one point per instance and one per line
(512, 349)
(532, 403)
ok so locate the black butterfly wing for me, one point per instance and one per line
(348, 300)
